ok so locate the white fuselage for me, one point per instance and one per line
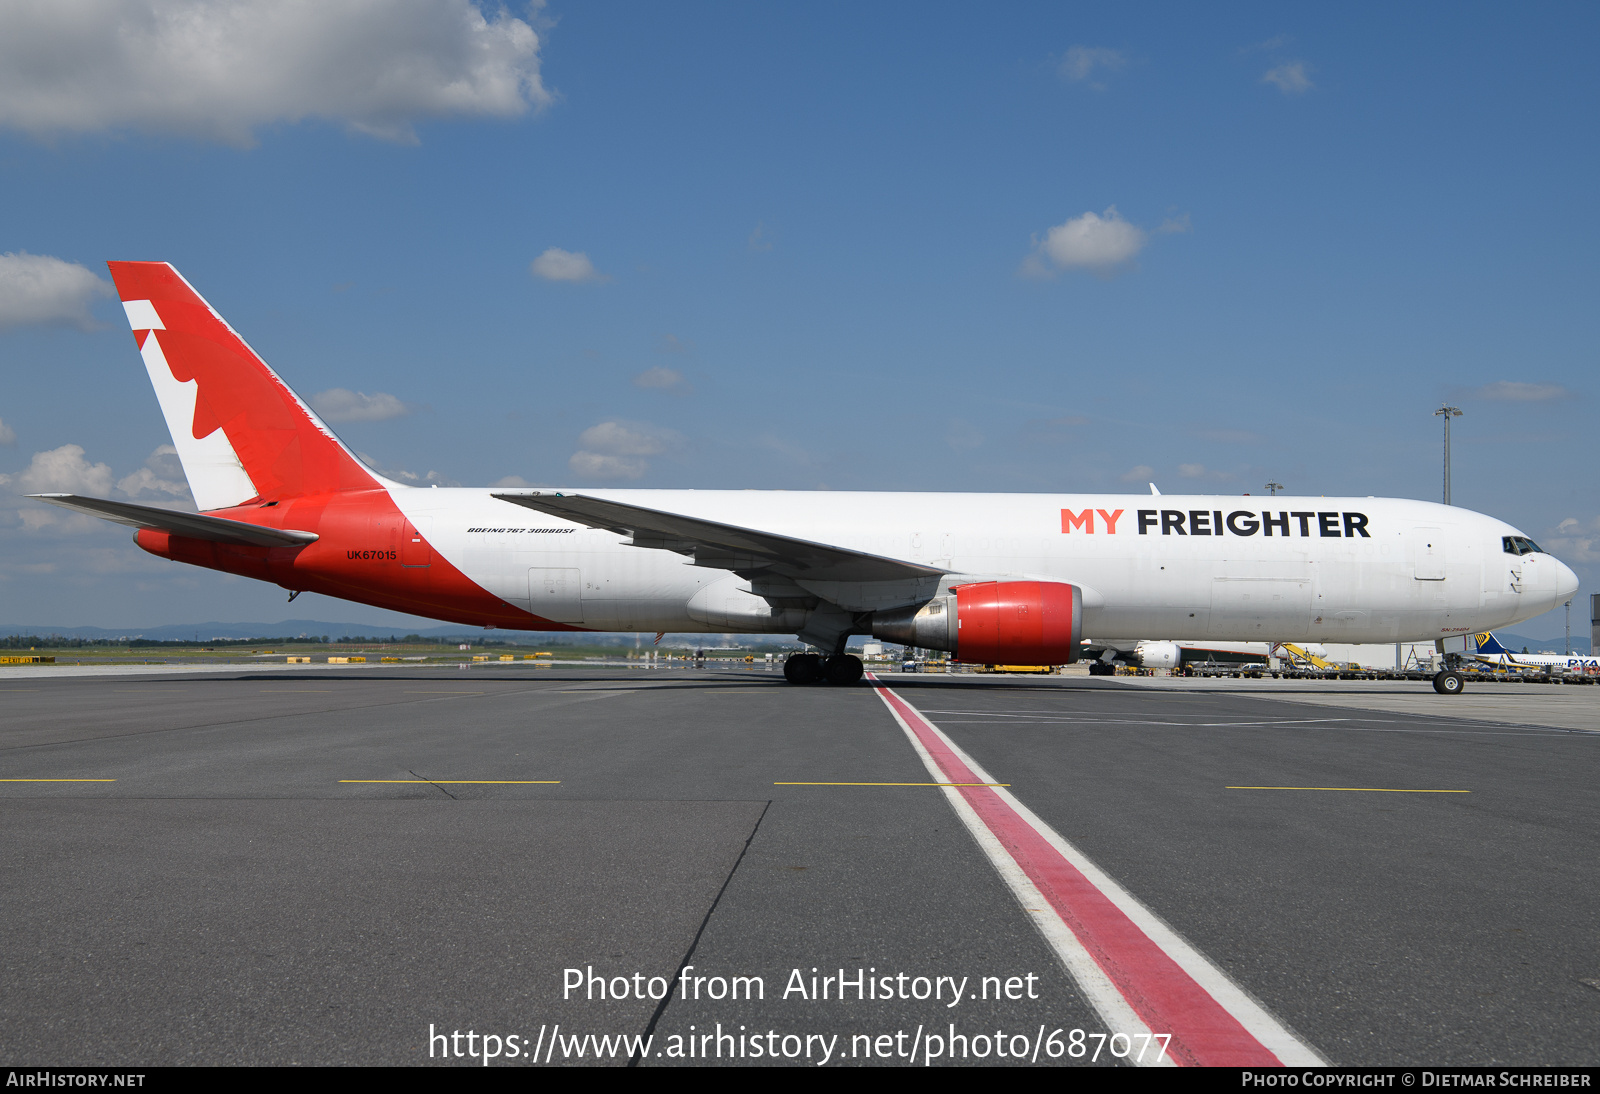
(1311, 569)
(1568, 662)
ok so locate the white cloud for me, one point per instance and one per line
(61, 470)
(1033, 267)
(759, 240)
(1081, 62)
(619, 450)
(1575, 542)
(513, 482)
(1517, 391)
(628, 439)
(659, 378)
(38, 289)
(1175, 225)
(8, 436)
(146, 481)
(671, 343)
(400, 474)
(595, 465)
(343, 405)
(558, 265)
(161, 475)
(1137, 474)
(1290, 78)
(217, 69)
(66, 470)
(164, 461)
(1103, 245)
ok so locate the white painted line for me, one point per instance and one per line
(1131, 966)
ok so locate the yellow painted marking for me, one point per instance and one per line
(1357, 789)
(462, 782)
(892, 784)
(57, 780)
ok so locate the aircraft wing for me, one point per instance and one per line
(191, 525)
(745, 551)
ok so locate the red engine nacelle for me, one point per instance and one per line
(1019, 622)
(994, 622)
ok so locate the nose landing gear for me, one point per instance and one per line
(1449, 682)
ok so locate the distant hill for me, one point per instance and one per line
(1516, 642)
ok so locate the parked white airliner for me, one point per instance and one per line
(1491, 652)
(1016, 578)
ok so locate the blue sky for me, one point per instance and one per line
(1039, 247)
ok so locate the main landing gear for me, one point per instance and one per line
(1449, 682)
(811, 668)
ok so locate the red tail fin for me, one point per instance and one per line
(239, 430)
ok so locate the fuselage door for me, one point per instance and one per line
(556, 593)
(414, 547)
(1428, 545)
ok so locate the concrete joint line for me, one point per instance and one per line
(435, 785)
(661, 1007)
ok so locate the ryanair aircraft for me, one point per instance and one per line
(1491, 652)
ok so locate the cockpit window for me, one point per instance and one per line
(1520, 545)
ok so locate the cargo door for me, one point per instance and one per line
(556, 593)
(1259, 609)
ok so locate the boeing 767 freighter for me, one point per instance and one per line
(1014, 578)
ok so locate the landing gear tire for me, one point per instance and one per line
(1449, 683)
(844, 670)
(803, 668)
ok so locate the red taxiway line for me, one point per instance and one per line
(1164, 996)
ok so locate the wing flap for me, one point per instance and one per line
(191, 525)
(745, 551)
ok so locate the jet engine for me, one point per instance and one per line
(1157, 655)
(993, 622)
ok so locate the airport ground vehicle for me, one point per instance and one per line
(993, 578)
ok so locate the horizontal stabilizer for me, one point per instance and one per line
(190, 525)
(723, 546)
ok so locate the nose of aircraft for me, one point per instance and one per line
(1566, 582)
